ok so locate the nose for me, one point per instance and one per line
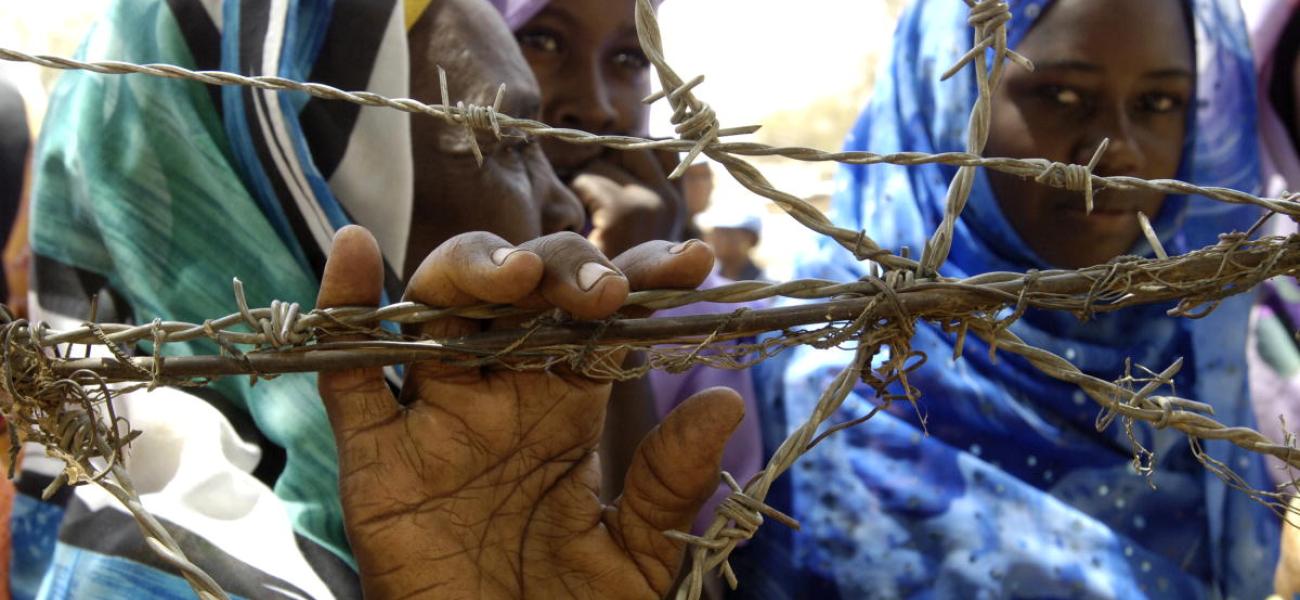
(1123, 155)
(561, 210)
(585, 102)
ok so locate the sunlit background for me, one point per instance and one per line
(803, 70)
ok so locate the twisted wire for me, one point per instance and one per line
(726, 153)
(988, 18)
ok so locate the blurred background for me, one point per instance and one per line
(787, 67)
(782, 65)
(45, 27)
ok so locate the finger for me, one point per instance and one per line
(468, 269)
(673, 473)
(473, 268)
(597, 194)
(597, 188)
(651, 168)
(611, 170)
(579, 279)
(665, 265)
(354, 276)
(646, 166)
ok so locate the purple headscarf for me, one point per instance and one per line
(517, 12)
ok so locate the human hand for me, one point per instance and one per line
(1286, 579)
(484, 482)
(629, 199)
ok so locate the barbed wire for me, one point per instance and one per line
(701, 122)
(872, 314)
(278, 337)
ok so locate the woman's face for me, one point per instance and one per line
(515, 193)
(1116, 69)
(592, 73)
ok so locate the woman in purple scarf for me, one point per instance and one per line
(593, 75)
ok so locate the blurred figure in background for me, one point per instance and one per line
(697, 185)
(592, 73)
(15, 146)
(1272, 354)
(1274, 358)
(734, 236)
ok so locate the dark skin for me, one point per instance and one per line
(1103, 69)
(698, 186)
(732, 247)
(515, 178)
(593, 75)
(485, 483)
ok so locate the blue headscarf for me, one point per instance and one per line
(1013, 491)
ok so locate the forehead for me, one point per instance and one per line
(471, 42)
(1128, 31)
(592, 18)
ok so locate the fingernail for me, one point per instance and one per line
(591, 273)
(680, 248)
(501, 255)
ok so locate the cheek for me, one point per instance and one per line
(545, 66)
(1164, 150)
(1017, 131)
(514, 202)
(626, 95)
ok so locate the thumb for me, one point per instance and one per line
(673, 472)
(354, 276)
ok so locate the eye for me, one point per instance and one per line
(632, 59)
(539, 40)
(1063, 95)
(516, 143)
(1162, 103)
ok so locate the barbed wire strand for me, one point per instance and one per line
(283, 339)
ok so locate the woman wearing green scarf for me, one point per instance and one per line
(154, 193)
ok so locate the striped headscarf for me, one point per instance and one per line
(157, 192)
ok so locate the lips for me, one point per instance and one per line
(1100, 210)
(1108, 214)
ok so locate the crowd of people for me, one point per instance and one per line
(143, 196)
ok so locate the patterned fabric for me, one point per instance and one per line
(1008, 490)
(154, 193)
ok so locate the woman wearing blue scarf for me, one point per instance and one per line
(998, 484)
